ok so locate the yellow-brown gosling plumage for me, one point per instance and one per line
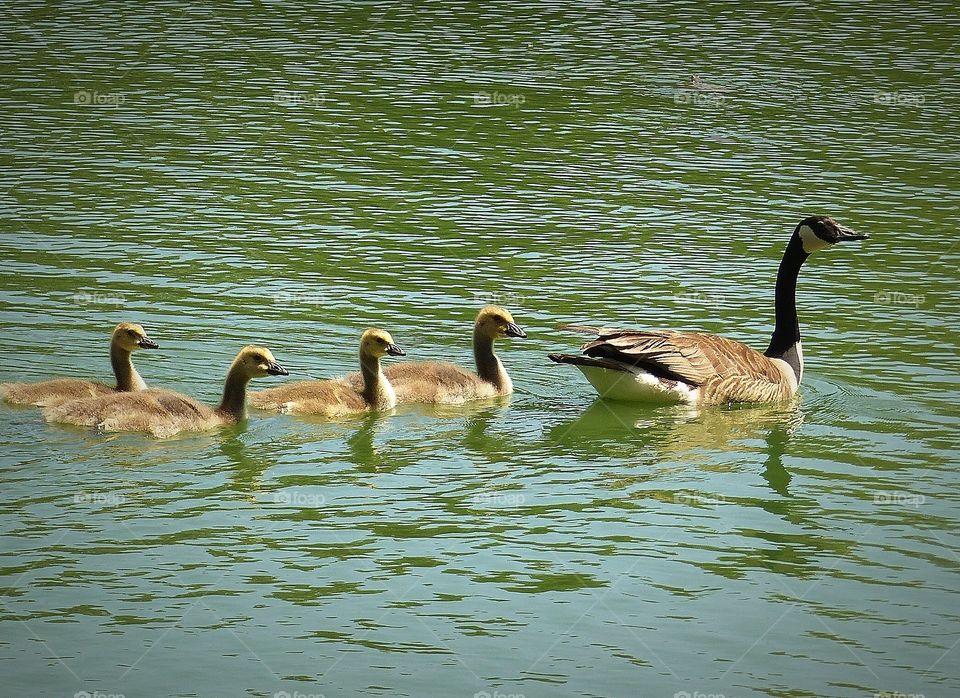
(696, 368)
(446, 383)
(164, 413)
(127, 338)
(337, 397)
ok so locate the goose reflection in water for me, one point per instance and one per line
(683, 434)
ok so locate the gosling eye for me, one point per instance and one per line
(132, 333)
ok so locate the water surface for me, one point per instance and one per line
(290, 177)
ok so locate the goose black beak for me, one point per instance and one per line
(845, 234)
(275, 369)
(394, 350)
(147, 343)
(513, 330)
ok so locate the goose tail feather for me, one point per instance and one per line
(580, 360)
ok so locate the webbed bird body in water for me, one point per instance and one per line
(339, 397)
(127, 338)
(442, 382)
(667, 366)
(163, 413)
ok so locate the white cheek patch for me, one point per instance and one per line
(811, 243)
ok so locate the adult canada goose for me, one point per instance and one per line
(127, 338)
(696, 368)
(164, 413)
(447, 383)
(337, 397)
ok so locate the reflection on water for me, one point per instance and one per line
(774, 472)
(677, 432)
(289, 177)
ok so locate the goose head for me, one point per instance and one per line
(379, 343)
(817, 232)
(256, 362)
(496, 322)
(130, 336)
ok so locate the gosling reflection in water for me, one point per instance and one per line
(248, 465)
(363, 450)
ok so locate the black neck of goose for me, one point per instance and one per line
(370, 370)
(234, 402)
(786, 333)
(126, 375)
(488, 366)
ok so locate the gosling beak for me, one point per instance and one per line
(844, 234)
(147, 343)
(513, 330)
(394, 350)
(275, 369)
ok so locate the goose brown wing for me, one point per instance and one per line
(692, 357)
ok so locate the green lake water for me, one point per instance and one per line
(257, 173)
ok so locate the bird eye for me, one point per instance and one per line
(132, 333)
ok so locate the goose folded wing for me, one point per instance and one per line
(691, 357)
(671, 355)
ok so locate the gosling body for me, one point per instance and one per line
(338, 397)
(127, 338)
(164, 413)
(442, 382)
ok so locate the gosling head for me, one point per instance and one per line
(379, 343)
(257, 362)
(818, 232)
(131, 336)
(496, 322)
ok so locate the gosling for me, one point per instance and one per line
(440, 382)
(336, 397)
(127, 338)
(164, 413)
